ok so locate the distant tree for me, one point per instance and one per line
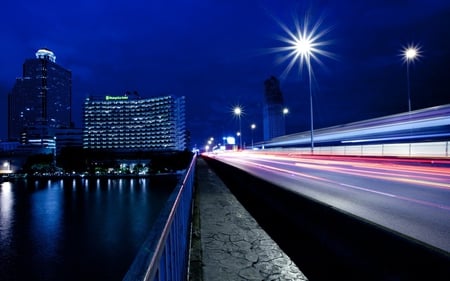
(72, 159)
(39, 163)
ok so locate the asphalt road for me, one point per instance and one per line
(409, 197)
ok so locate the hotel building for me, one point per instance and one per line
(133, 123)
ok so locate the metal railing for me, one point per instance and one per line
(439, 149)
(164, 254)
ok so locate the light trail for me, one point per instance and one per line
(421, 202)
(236, 158)
(366, 168)
(428, 123)
(377, 168)
(408, 197)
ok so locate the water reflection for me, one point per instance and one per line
(76, 229)
(46, 211)
(6, 202)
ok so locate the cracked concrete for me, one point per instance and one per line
(233, 245)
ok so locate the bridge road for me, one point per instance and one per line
(327, 225)
(409, 198)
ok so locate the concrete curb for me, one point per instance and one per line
(233, 245)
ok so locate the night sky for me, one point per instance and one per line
(217, 54)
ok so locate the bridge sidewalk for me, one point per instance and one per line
(227, 242)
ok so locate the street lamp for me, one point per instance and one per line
(238, 134)
(303, 44)
(252, 126)
(7, 167)
(285, 112)
(410, 54)
(304, 49)
(238, 111)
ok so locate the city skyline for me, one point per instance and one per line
(216, 54)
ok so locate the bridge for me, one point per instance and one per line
(363, 206)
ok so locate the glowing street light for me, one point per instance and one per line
(7, 167)
(303, 49)
(238, 134)
(303, 44)
(410, 54)
(237, 112)
(285, 112)
(252, 126)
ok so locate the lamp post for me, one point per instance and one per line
(303, 49)
(238, 134)
(238, 111)
(285, 112)
(252, 126)
(410, 54)
(303, 45)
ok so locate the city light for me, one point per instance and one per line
(6, 167)
(231, 140)
(253, 127)
(237, 110)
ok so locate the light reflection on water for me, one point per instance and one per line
(6, 202)
(76, 229)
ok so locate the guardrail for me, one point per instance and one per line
(420, 149)
(164, 254)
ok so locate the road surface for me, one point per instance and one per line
(408, 196)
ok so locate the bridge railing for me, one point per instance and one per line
(164, 254)
(420, 149)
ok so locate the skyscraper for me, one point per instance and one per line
(40, 100)
(273, 119)
(133, 123)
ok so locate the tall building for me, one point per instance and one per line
(273, 119)
(40, 100)
(132, 123)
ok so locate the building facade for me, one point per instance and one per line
(273, 118)
(132, 123)
(41, 100)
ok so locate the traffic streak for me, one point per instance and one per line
(406, 196)
(424, 124)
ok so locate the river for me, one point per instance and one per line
(77, 229)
